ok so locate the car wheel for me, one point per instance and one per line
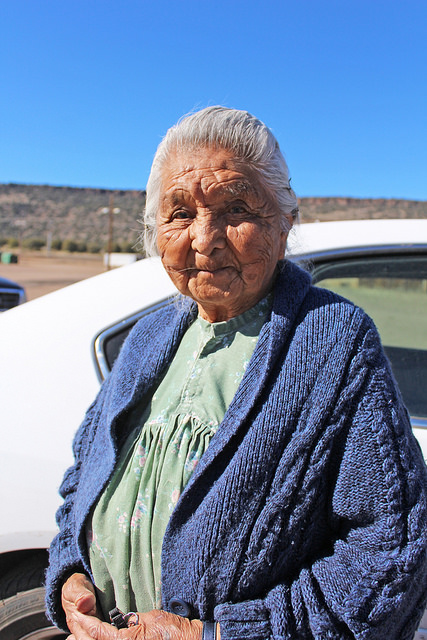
(22, 610)
(23, 617)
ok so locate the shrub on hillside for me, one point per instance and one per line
(70, 246)
(81, 246)
(34, 244)
(94, 247)
(56, 244)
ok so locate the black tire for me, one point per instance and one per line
(24, 576)
(23, 616)
(22, 610)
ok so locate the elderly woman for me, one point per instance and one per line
(248, 469)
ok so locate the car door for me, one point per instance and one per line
(391, 286)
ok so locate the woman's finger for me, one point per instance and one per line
(86, 627)
(162, 625)
(78, 593)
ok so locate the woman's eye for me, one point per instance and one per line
(237, 208)
(180, 215)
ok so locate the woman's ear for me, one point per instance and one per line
(284, 234)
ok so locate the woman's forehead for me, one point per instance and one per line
(207, 171)
(208, 186)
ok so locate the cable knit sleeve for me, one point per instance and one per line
(370, 582)
(64, 555)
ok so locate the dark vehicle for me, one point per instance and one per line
(11, 294)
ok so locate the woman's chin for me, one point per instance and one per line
(211, 294)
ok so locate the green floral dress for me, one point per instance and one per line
(127, 526)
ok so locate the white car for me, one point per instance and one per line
(56, 350)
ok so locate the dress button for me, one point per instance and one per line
(179, 607)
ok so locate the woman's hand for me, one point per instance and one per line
(154, 625)
(84, 620)
(78, 597)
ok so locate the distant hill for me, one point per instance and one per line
(325, 209)
(33, 211)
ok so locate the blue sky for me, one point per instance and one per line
(88, 87)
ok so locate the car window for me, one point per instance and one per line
(393, 291)
(108, 342)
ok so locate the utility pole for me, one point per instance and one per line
(111, 210)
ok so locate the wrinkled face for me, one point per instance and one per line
(219, 233)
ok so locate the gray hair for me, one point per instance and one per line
(246, 137)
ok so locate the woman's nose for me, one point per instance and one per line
(207, 235)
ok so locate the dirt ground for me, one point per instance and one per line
(40, 273)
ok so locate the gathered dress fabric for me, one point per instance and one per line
(126, 529)
(306, 515)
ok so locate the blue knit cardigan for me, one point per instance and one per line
(306, 516)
